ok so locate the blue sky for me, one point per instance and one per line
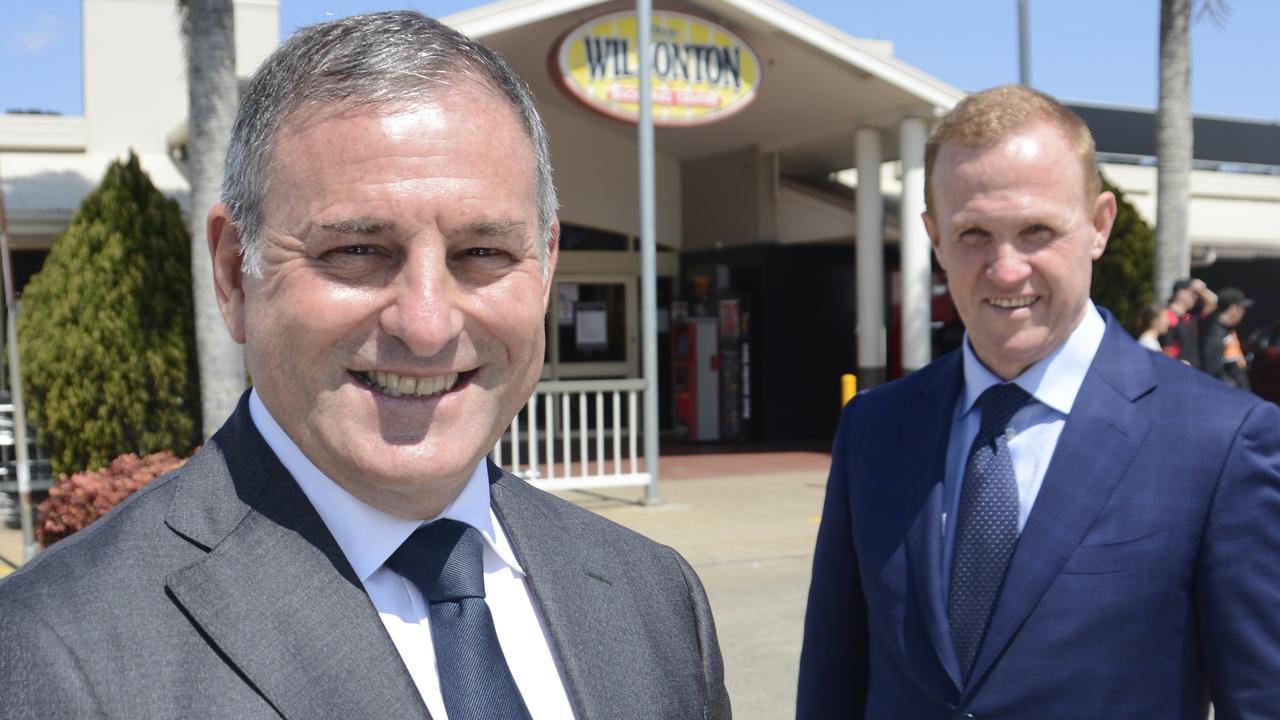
(1093, 50)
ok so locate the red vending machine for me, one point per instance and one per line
(695, 376)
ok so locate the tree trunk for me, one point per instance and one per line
(1173, 146)
(213, 95)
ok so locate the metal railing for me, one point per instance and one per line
(577, 434)
(41, 476)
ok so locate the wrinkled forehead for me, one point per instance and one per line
(428, 95)
(322, 138)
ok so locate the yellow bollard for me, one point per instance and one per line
(848, 388)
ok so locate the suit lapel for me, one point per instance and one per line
(572, 583)
(1099, 441)
(275, 595)
(924, 539)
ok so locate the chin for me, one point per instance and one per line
(1023, 355)
(408, 461)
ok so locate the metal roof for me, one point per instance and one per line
(1132, 131)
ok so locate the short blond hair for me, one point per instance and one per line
(985, 118)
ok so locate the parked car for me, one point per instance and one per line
(1263, 347)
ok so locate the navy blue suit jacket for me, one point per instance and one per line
(1146, 580)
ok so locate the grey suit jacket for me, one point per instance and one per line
(217, 591)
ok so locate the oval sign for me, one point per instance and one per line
(701, 72)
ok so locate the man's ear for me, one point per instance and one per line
(1104, 216)
(549, 265)
(931, 228)
(228, 278)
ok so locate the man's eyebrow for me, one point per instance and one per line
(358, 226)
(494, 228)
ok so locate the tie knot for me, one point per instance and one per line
(445, 560)
(999, 404)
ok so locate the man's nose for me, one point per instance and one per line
(425, 310)
(1009, 266)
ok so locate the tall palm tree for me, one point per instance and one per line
(1174, 139)
(213, 94)
(1173, 145)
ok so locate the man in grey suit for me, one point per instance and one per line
(342, 548)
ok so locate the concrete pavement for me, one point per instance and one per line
(750, 538)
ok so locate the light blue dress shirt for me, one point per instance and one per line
(1053, 382)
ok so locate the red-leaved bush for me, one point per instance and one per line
(75, 501)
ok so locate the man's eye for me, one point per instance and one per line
(1039, 232)
(972, 236)
(483, 252)
(356, 250)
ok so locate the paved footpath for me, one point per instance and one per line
(10, 549)
(750, 537)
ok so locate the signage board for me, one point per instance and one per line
(701, 72)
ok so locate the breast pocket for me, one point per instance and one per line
(1111, 557)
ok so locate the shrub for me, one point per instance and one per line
(105, 330)
(76, 501)
(1122, 277)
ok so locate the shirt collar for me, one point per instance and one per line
(1055, 379)
(366, 535)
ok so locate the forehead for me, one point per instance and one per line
(1036, 161)
(466, 112)
(462, 144)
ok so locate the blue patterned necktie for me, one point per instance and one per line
(986, 524)
(445, 560)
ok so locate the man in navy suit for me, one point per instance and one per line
(1050, 522)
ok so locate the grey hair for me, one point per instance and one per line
(371, 59)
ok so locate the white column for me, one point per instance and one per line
(870, 256)
(917, 280)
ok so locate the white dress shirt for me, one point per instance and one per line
(1053, 383)
(368, 537)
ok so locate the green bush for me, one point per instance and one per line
(105, 329)
(1122, 276)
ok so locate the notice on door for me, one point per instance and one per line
(591, 327)
(566, 300)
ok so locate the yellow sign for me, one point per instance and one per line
(701, 72)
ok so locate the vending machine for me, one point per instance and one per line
(695, 373)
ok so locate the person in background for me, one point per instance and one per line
(1223, 357)
(1190, 304)
(1154, 324)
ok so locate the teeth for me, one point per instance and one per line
(1013, 302)
(398, 385)
(429, 386)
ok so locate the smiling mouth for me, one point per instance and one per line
(394, 385)
(1014, 303)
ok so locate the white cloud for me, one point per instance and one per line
(43, 32)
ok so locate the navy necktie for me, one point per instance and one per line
(986, 524)
(445, 560)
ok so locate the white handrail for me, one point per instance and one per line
(597, 414)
